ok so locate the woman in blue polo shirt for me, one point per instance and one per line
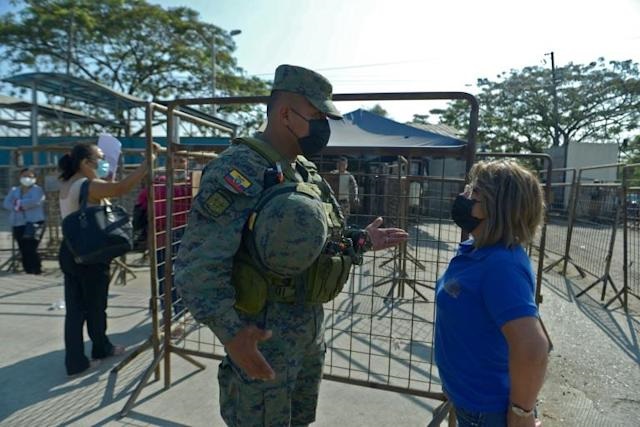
(490, 348)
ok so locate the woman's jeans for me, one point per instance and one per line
(480, 419)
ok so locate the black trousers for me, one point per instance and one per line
(28, 251)
(85, 293)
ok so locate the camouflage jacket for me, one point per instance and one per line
(230, 187)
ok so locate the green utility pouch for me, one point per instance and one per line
(326, 278)
(251, 286)
(324, 281)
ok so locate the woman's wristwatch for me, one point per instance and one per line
(520, 411)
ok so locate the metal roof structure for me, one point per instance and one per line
(439, 128)
(232, 127)
(13, 124)
(361, 127)
(96, 94)
(51, 112)
(88, 91)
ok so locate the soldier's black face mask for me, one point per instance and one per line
(461, 213)
(318, 138)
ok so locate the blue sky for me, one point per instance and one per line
(419, 45)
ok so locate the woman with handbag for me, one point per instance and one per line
(86, 284)
(26, 216)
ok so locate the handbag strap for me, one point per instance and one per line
(84, 195)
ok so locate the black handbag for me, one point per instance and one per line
(33, 231)
(97, 234)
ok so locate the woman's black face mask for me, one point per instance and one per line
(461, 213)
(318, 138)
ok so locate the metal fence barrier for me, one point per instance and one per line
(594, 221)
(380, 328)
(631, 231)
(560, 199)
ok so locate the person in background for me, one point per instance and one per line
(490, 347)
(182, 195)
(86, 286)
(26, 216)
(347, 191)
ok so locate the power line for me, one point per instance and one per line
(351, 67)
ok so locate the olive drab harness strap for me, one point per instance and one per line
(334, 213)
(269, 153)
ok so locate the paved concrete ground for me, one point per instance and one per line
(594, 375)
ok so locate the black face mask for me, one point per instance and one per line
(461, 213)
(318, 138)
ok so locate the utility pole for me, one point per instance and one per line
(554, 93)
(212, 42)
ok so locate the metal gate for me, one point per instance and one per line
(559, 202)
(631, 230)
(594, 221)
(379, 330)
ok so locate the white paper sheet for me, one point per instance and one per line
(111, 148)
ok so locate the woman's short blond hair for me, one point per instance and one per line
(512, 199)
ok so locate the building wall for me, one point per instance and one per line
(584, 155)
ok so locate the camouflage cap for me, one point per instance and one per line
(313, 86)
(290, 230)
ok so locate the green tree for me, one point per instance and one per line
(421, 119)
(630, 149)
(377, 109)
(597, 102)
(130, 45)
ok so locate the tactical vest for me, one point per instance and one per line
(323, 280)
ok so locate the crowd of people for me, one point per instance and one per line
(261, 247)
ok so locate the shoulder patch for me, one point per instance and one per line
(217, 203)
(237, 181)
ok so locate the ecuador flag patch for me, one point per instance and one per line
(237, 181)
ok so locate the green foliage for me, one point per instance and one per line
(130, 45)
(597, 102)
(377, 109)
(421, 119)
(631, 150)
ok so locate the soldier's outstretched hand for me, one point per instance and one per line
(243, 351)
(382, 238)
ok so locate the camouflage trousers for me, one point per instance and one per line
(296, 353)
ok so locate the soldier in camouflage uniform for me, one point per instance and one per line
(347, 197)
(275, 348)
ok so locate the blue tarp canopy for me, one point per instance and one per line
(361, 128)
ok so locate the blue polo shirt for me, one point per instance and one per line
(481, 290)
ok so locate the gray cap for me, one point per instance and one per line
(313, 86)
